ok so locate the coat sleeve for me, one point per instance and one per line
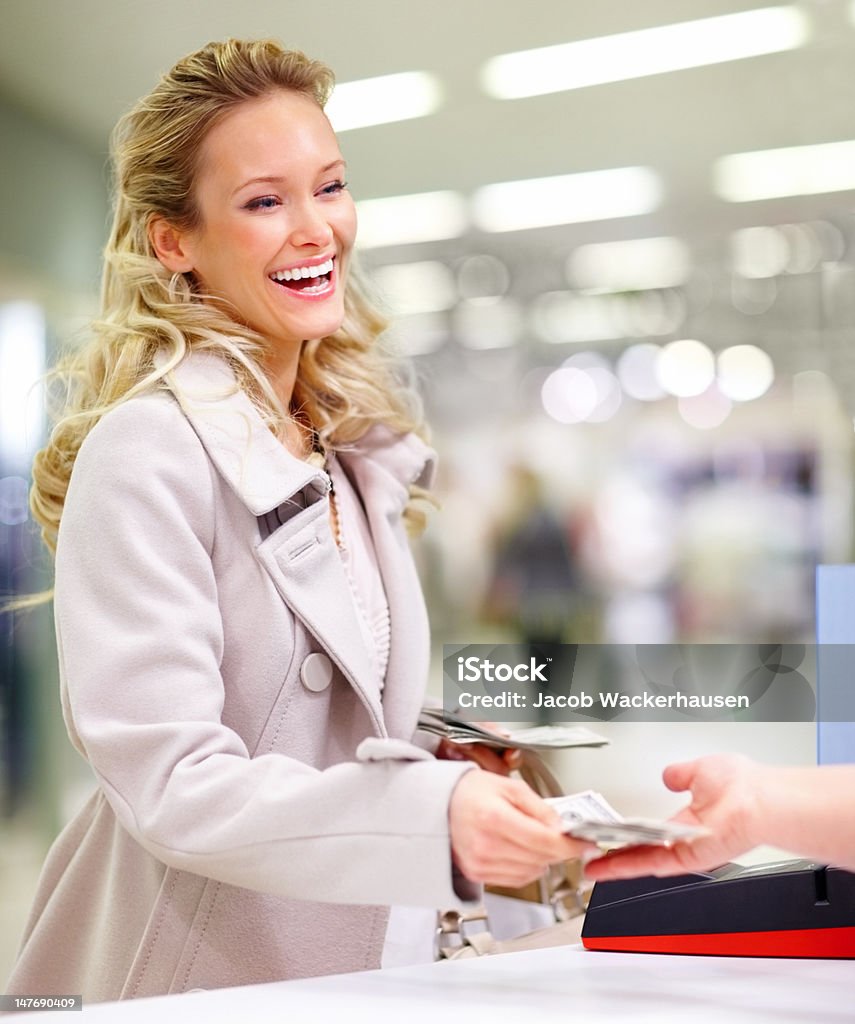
(141, 641)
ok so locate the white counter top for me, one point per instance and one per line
(563, 984)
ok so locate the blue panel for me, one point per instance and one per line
(835, 624)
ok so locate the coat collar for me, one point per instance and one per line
(301, 555)
(258, 468)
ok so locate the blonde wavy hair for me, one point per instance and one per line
(345, 383)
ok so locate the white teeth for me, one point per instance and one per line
(298, 273)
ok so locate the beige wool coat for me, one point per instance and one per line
(258, 806)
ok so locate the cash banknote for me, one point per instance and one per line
(588, 815)
(537, 737)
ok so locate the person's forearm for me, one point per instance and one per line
(810, 811)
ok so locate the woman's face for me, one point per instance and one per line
(277, 222)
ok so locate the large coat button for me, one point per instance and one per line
(316, 672)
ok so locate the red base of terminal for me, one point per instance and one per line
(817, 943)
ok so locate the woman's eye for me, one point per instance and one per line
(333, 187)
(262, 203)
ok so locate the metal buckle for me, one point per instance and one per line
(453, 925)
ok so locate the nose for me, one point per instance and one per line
(310, 225)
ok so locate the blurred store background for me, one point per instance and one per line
(619, 248)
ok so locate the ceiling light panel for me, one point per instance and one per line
(633, 265)
(794, 171)
(566, 199)
(383, 99)
(427, 286)
(651, 51)
(405, 220)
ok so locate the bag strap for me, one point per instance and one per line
(534, 770)
(482, 943)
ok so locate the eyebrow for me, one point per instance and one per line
(276, 178)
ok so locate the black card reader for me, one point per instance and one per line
(793, 908)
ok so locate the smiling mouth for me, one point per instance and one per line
(306, 280)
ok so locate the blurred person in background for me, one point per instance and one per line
(242, 639)
(534, 583)
(533, 592)
(807, 810)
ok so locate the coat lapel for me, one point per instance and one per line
(300, 555)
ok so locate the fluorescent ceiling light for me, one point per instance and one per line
(795, 171)
(633, 265)
(569, 318)
(759, 252)
(381, 100)
(566, 199)
(574, 317)
(424, 287)
(402, 220)
(650, 51)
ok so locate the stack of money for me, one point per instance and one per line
(588, 815)
(541, 737)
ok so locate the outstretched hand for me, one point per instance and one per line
(726, 794)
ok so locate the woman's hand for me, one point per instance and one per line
(501, 762)
(727, 793)
(502, 833)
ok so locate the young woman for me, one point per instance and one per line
(242, 639)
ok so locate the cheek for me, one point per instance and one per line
(230, 236)
(345, 226)
(256, 237)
